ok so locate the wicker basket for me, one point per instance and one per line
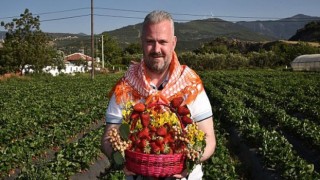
(154, 165)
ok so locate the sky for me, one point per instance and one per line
(74, 16)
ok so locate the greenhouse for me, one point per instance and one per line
(308, 62)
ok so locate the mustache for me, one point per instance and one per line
(155, 54)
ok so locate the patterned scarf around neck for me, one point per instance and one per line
(135, 84)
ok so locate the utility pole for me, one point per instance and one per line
(102, 52)
(92, 43)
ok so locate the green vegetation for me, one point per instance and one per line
(40, 114)
(51, 126)
(232, 54)
(26, 46)
(310, 32)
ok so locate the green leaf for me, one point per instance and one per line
(124, 131)
(118, 158)
(190, 165)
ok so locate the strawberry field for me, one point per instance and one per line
(267, 126)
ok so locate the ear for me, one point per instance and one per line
(174, 42)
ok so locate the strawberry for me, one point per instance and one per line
(183, 110)
(168, 138)
(139, 107)
(130, 146)
(136, 142)
(132, 137)
(162, 131)
(173, 147)
(155, 149)
(143, 143)
(176, 102)
(162, 148)
(133, 124)
(153, 129)
(159, 141)
(134, 115)
(145, 119)
(144, 134)
(186, 120)
(138, 150)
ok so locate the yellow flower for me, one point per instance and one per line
(126, 112)
(194, 134)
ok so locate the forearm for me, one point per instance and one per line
(208, 128)
(106, 146)
(209, 149)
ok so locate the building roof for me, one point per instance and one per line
(307, 58)
(77, 56)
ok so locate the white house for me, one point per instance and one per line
(74, 63)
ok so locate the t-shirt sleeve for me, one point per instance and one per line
(114, 111)
(200, 108)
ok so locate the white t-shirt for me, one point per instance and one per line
(200, 109)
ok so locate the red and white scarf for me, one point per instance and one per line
(136, 85)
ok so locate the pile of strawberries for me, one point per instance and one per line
(165, 139)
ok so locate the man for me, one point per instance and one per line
(160, 76)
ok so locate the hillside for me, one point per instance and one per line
(279, 29)
(194, 33)
(310, 32)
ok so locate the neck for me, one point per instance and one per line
(157, 78)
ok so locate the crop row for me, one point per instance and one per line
(274, 114)
(246, 112)
(41, 114)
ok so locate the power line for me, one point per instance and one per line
(267, 19)
(67, 10)
(116, 16)
(52, 12)
(70, 17)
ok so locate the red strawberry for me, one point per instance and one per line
(145, 119)
(186, 120)
(144, 133)
(155, 149)
(138, 150)
(130, 146)
(183, 110)
(176, 102)
(159, 141)
(143, 143)
(162, 131)
(133, 124)
(132, 137)
(153, 129)
(134, 115)
(168, 138)
(139, 107)
(162, 148)
(173, 147)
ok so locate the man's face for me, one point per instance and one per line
(158, 44)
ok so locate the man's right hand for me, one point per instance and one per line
(127, 172)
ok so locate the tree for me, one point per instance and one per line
(112, 51)
(133, 48)
(26, 46)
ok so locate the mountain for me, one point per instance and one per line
(310, 32)
(192, 34)
(279, 29)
